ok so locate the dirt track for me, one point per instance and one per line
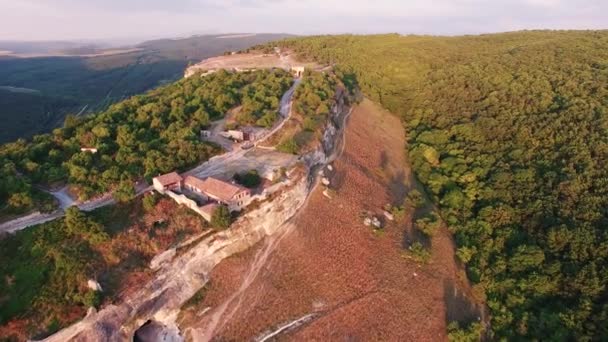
(356, 283)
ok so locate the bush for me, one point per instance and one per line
(428, 224)
(415, 199)
(78, 223)
(149, 202)
(221, 218)
(124, 192)
(92, 299)
(418, 253)
(398, 212)
(310, 124)
(250, 179)
(472, 333)
(268, 119)
(288, 146)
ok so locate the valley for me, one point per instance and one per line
(70, 82)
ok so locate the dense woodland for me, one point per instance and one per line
(509, 134)
(137, 139)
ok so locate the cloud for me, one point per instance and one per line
(77, 19)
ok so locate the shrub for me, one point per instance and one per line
(465, 253)
(428, 224)
(124, 192)
(472, 333)
(149, 202)
(419, 253)
(221, 218)
(268, 119)
(78, 223)
(415, 199)
(250, 179)
(288, 146)
(398, 212)
(309, 124)
(92, 299)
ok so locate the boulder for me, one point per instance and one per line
(325, 181)
(94, 285)
(389, 216)
(367, 221)
(376, 222)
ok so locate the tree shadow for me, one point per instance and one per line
(397, 188)
(413, 235)
(459, 307)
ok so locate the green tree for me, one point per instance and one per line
(221, 217)
(124, 192)
(78, 223)
(250, 179)
(149, 202)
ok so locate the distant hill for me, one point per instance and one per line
(40, 47)
(69, 84)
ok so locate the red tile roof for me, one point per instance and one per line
(194, 182)
(214, 187)
(169, 178)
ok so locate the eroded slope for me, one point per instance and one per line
(343, 279)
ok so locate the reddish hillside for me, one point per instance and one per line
(356, 283)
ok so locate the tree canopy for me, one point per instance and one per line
(137, 138)
(508, 132)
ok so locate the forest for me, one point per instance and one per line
(312, 102)
(136, 139)
(509, 134)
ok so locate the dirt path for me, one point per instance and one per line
(357, 284)
(65, 201)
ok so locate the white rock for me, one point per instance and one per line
(376, 222)
(325, 181)
(367, 221)
(330, 168)
(389, 216)
(91, 311)
(162, 258)
(94, 285)
(326, 193)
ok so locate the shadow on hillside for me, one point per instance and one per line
(412, 235)
(459, 308)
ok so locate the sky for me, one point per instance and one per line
(144, 19)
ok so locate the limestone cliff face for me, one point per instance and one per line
(179, 279)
